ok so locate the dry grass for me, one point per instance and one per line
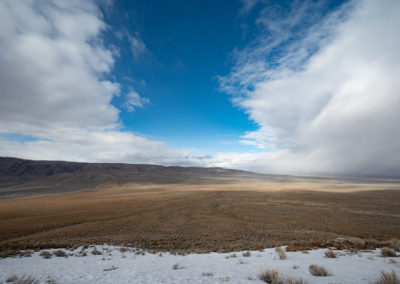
(22, 280)
(110, 269)
(358, 243)
(281, 252)
(330, 254)
(45, 254)
(95, 251)
(203, 217)
(387, 278)
(246, 254)
(317, 270)
(60, 253)
(394, 244)
(177, 266)
(272, 276)
(388, 252)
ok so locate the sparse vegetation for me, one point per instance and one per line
(95, 251)
(395, 244)
(246, 254)
(22, 280)
(272, 276)
(227, 278)
(281, 252)
(45, 254)
(208, 274)
(177, 266)
(317, 270)
(60, 253)
(100, 206)
(330, 254)
(111, 268)
(358, 243)
(387, 278)
(388, 252)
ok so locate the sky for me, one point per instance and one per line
(286, 87)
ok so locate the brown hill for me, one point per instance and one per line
(20, 177)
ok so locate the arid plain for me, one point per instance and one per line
(222, 213)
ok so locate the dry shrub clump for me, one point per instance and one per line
(388, 252)
(271, 276)
(281, 252)
(246, 254)
(95, 251)
(394, 244)
(60, 253)
(330, 254)
(317, 270)
(22, 280)
(45, 254)
(177, 266)
(358, 243)
(110, 269)
(387, 278)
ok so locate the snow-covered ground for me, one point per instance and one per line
(114, 266)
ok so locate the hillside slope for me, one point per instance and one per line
(20, 177)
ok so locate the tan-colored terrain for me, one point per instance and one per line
(210, 216)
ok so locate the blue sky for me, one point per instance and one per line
(293, 87)
(189, 45)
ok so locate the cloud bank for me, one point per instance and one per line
(328, 100)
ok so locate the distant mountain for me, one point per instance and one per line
(20, 177)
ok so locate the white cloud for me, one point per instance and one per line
(332, 96)
(53, 70)
(134, 100)
(138, 47)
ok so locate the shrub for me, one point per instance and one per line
(273, 277)
(22, 280)
(281, 252)
(294, 281)
(394, 244)
(45, 254)
(96, 252)
(177, 266)
(330, 254)
(358, 243)
(123, 249)
(60, 253)
(316, 270)
(270, 276)
(388, 252)
(110, 269)
(246, 254)
(12, 278)
(387, 278)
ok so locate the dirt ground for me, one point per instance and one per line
(207, 217)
